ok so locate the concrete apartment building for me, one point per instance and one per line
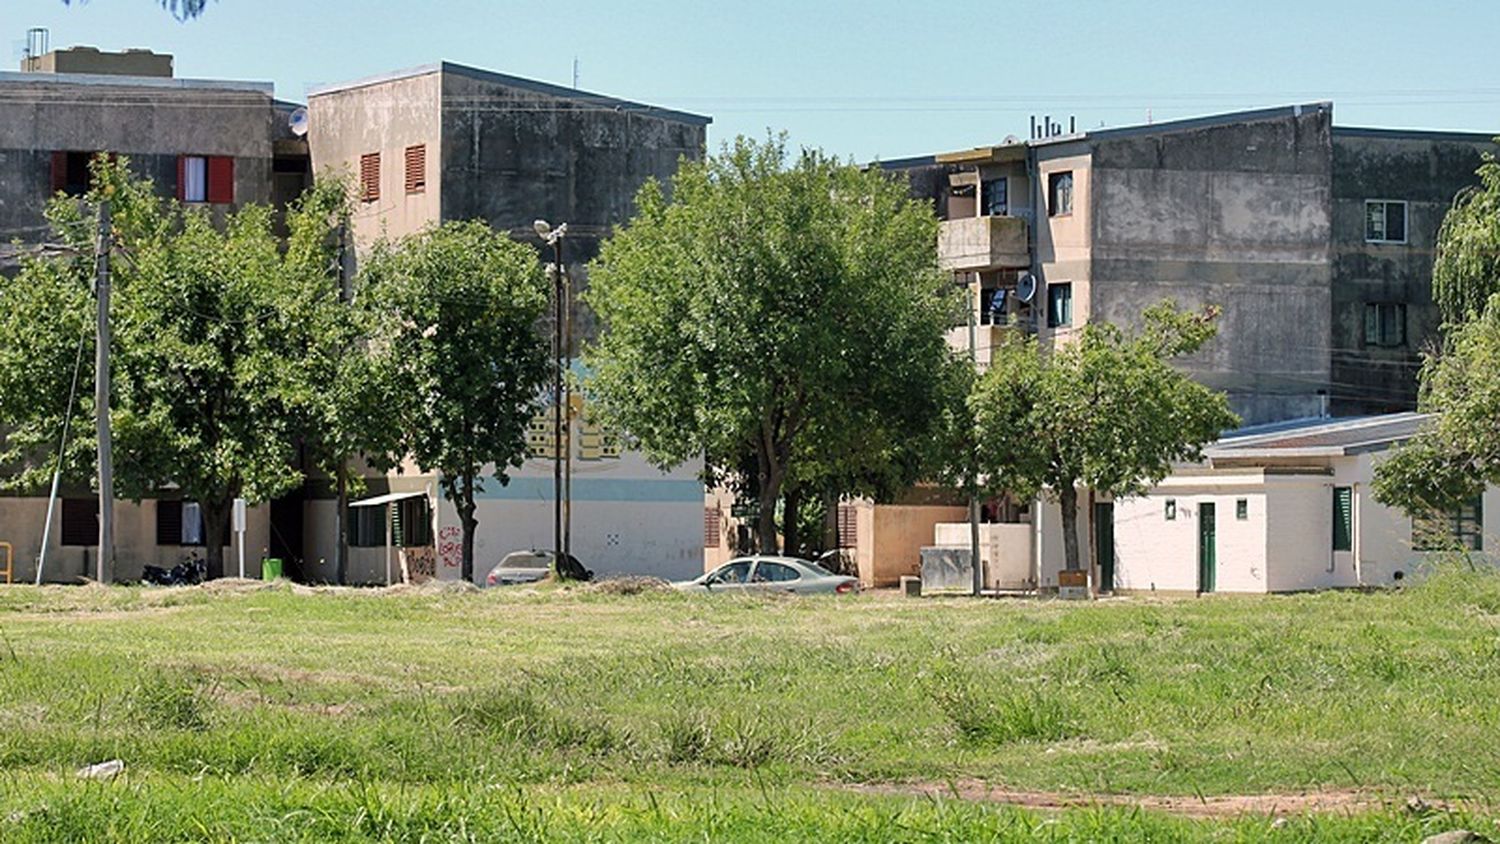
(448, 142)
(1315, 240)
(212, 143)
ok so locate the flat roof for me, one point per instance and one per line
(602, 101)
(1416, 134)
(1319, 437)
(114, 81)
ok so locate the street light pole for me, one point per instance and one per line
(106, 561)
(978, 568)
(554, 238)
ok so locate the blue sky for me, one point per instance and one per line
(875, 79)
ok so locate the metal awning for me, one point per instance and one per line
(387, 498)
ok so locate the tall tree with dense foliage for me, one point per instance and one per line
(460, 340)
(1453, 458)
(1106, 411)
(1466, 270)
(210, 356)
(771, 309)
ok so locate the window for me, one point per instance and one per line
(1343, 518)
(205, 178)
(1241, 509)
(711, 532)
(992, 310)
(994, 196)
(848, 526)
(1385, 324)
(1463, 528)
(181, 523)
(1171, 510)
(731, 573)
(774, 573)
(416, 168)
(367, 526)
(413, 526)
(369, 177)
(80, 521)
(1059, 305)
(1385, 221)
(1060, 194)
(70, 172)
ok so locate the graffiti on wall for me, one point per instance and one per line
(421, 563)
(450, 549)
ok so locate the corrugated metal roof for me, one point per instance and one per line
(1320, 437)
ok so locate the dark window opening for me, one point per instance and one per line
(181, 523)
(1241, 509)
(1059, 305)
(994, 197)
(80, 521)
(413, 525)
(1060, 194)
(1385, 221)
(367, 526)
(70, 172)
(1385, 324)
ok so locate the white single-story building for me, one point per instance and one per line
(1282, 508)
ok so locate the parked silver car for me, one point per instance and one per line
(765, 573)
(530, 567)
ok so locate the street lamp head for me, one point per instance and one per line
(541, 227)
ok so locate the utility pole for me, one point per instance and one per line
(341, 482)
(554, 238)
(567, 290)
(106, 562)
(978, 568)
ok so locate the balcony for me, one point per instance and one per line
(983, 243)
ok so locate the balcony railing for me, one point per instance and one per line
(983, 243)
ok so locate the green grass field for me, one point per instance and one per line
(288, 714)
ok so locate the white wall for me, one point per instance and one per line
(627, 518)
(1153, 553)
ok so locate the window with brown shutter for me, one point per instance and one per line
(848, 526)
(416, 168)
(711, 537)
(80, 521)
(369, 177)
(169, 523)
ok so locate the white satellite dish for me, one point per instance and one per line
(1026, 287)
(297, 120)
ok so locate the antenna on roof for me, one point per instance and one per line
(575, 73)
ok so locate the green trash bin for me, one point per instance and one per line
(270, 568)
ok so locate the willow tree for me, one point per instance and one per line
(1466, 269)
(773, 302)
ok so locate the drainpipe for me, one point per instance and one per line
(1354, 544)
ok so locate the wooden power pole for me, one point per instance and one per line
(106, 563)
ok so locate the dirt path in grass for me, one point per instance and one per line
(1215, 806)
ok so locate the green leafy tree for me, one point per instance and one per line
(1106, 411)
(1466, 270)
(180, 9)
(210, 325)
(461, 344)
(767, 312)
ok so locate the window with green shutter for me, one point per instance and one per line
(1343, 518)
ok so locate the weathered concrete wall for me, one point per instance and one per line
(150, 121)
(1235, 215)
(512, 155)
(1425, 170)
(383, 117)
(23, 520)
(1064, 242)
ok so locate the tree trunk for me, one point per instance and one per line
(830, 521)
(1067, 499)
(215, 516)
(466, 518)
(341, 526)
(791, 534)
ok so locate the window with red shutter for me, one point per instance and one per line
(59, 171)
(848, 526)
(369, 177)
(220, 179)
(416, 168)
(711, 535)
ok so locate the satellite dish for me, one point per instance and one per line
(297, 120)
(1026, 287)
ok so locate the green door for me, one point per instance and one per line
(1104, 544)
(1208, 563)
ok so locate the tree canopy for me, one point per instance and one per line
(180, 9)
(1466, 269)
(778, 310)
(1105, 411)
(216, 337)
(460, 306)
